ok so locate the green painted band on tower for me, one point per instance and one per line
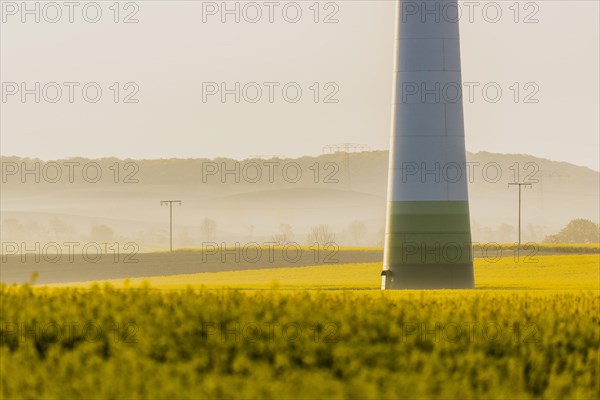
(429, 232)
(429, 217)
(429, 249)
(436, 207)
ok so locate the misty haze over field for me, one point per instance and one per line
(264, 200)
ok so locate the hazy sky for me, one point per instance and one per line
(173, 59)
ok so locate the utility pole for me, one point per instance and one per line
(170, 203)
(519, 184)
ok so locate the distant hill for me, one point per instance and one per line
(332, 189)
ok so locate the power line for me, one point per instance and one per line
(520, 184)
(267, 156)
(170, 203)
(345, 148)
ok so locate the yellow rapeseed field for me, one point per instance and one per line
(564, 272)
(530, 330)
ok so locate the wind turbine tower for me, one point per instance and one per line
(428, 234)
